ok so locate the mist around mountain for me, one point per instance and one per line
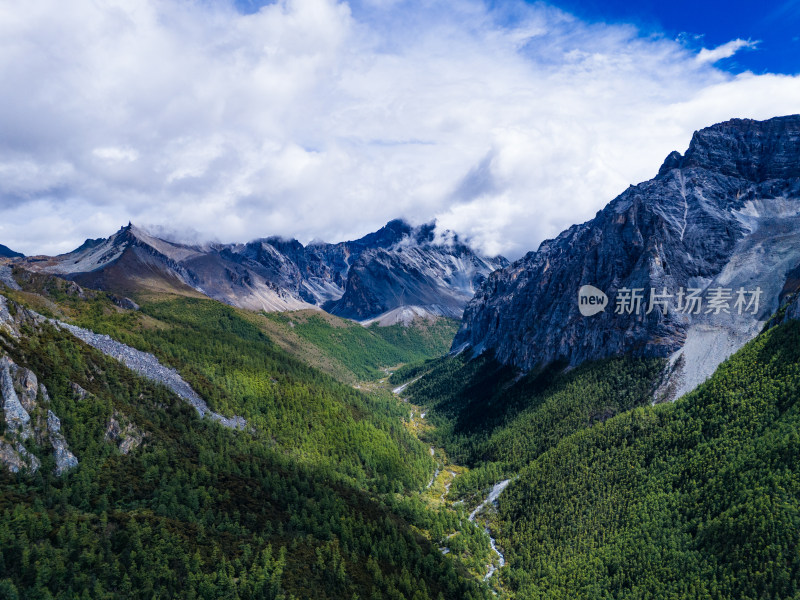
(392, 275)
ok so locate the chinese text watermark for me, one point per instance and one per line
(690, 301)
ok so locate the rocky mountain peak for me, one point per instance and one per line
(724, 216)
(387, 236)
(752, 150)
(275, 273)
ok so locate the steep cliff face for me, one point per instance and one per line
(25, 414)
(722, 218)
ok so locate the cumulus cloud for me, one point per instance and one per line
(321, 119)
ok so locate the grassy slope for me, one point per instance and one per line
(352, 351)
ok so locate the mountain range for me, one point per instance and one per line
(169, 444)
(394, 274)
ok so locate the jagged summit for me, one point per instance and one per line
(405, 267)
(726, 214)
(752, 150)
(275, 273)
(388, 235)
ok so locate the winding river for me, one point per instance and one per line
(492, 499)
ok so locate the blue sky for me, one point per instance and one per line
(774, 25)
(506, 121)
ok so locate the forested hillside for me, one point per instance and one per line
(696, 499)
(496, 420)
(307, 502)
(612, 497)
(352, 351)
(327, 492)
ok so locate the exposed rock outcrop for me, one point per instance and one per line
(7, 278)
(65, 459)
(16, 458)
(78, 391)
(13, 318)
(27, 384)
(142, 363)
(415, 271)
(124, 434)
(149, 366)
(27, 415)
(18, 421)
(726, 216)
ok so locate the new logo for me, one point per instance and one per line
(591, 300)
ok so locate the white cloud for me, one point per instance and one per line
(115, 154)
(320, 119)
(726, 50)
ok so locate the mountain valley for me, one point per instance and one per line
(273, 420)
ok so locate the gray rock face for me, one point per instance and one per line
(793, 311)
(25, 418)
(124, 434)
(414, 271)
(53, 422)
(12, 318)
(16, 458)
(7, 277)
(78, 391)
(725, 215)
(790, 298)
(27, 384)
(17, 418)
(274, 274)
(65, 459)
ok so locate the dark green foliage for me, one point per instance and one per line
(488, 414)
(302, 506)
(615, 499)
(416, 369)
(697, 499)
(235, 367)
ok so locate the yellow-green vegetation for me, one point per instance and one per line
(315, 501)
(457, 536)
(361, 351)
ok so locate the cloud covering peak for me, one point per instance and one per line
(320, 119)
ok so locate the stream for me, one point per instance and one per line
(491, 499)
(435, 475)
